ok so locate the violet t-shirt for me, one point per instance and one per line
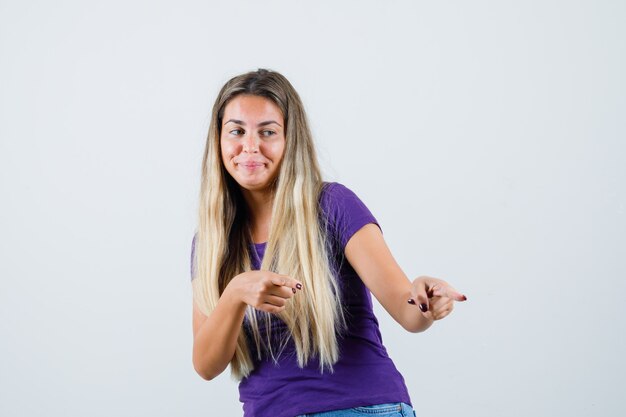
(364, 374)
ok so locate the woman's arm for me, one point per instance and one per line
(370, 257)
(215, 336)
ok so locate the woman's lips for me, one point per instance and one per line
(250, 165)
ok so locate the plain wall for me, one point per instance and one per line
(487, 137)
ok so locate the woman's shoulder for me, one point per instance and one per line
(337, 195)
(335, 190)
(344, 211)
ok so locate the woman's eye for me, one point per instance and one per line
(268, 133)
(236, 132)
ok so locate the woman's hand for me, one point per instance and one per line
(434, 297)
(263, 290)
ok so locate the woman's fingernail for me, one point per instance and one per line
(294, 290)
(464, 298)
(299, 286)
(411, 301)
(424, 308)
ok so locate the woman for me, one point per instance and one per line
(283, 265)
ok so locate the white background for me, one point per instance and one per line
(487, 137)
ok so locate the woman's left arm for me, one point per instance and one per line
(414, 305)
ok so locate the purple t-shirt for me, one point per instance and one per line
(364, 374)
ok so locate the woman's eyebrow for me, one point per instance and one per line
(240, 122)
(268, 122)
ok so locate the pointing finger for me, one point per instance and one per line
(285, 281)
(447, 291)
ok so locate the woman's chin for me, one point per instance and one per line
(254, 185)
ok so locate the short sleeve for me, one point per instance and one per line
(344, 212)
(193, 256)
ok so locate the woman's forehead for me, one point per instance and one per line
(251, 109)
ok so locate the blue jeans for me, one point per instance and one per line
(379, 410)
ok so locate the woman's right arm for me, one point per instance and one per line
(215, 336)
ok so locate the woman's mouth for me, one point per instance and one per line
(251, 165)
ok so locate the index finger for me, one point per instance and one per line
(285, 281)
(448, 291)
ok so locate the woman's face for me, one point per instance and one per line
(252, 141)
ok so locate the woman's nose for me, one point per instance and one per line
(251, 144)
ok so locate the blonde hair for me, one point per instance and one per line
(297, 244)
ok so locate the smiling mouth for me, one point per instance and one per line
(251, 165)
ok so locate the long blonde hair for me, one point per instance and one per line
(297, 244)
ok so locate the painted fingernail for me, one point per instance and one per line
(294, 290)
(424, 308)
(299, 286)
(464, 298)
(411, 301)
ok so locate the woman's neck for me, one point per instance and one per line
(260, 211)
